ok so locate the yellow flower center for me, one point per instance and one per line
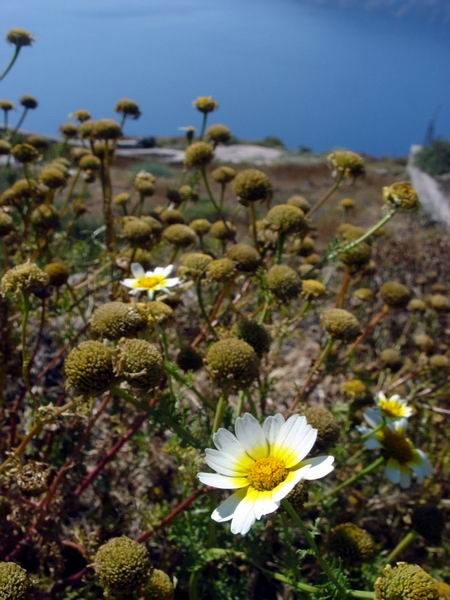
(149, 282)
(266, 473)
(396, 445)
(392, 409)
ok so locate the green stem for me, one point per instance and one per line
(402, 545)
(19, 125)
(253, 222)
(11, 63)
(204, 121)
(328, 194)
(201, 304)
(205, 180)
(280, 244)
(354, 478)
(25, 352)
(76, 303)
(220, 411)
(312, 544)
(240, 404)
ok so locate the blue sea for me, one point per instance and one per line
(323, 74)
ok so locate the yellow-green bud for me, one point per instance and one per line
(90, 162)
(351, 543)
(89, 368)
(19, 37)
(244, 256)
(363, 294)
(354, 389)
(144, 183)
(52, 177)
(45, 217)
(223, 230)
(193, 264)
(15, 583)
(81, 115)
(223, 175)
(221, 269)
(115, 320)
(327, 427)
(158, 587)
(300, 202)
(340, 324)
(439, 302)
(346, 163)
(347, 203)
(128, 108)
(106, 129)
(232, 363)
(254, 334)
(394, 294)
(136, 230)
(286, 218)
(58, 273)
(180, 235)
(405, 582)
(6, 224)
(156, 312)
(24, 153)
(5, 148)
(122, 565)
(139, 363)
(401, 195)
(252, 185)
(198, 155)
(26, 278)
(170, 216)
(311, 288)
(205, 104)
(121, 199)
(218, 134)
(200, 226)
(68, 130)
(6, 105)
(283, 282)
(416, 305)
(391, 358)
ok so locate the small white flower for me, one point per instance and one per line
(151, 282)
(402, 458)
(263, 463)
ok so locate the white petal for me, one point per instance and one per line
(294, 441)
(320, 466)
(172, 281)
(263, 502)
(225, 510)
(222, 482)
(244, 516)
(405, 479)
(373, 417)
(422, 468)
(372, 443)
(392, 471)
(223, 464)
(150, 294)
(229, 445)
(286, 486)
(135, 292)
(251, 435)
(128, 282)
(272, 426)
(137, 270)
(167, 270)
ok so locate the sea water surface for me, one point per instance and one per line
(314, 74)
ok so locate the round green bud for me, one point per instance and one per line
(45, 217)
(351, 543)
(311, 289)
(28, 102)
(286, 218)
(81, 115)
(391, 358)
(15, 583)
(350, 232)
(170, 216)
(115, 320)
(200, 226)
(221, 270)
(232, 363)
(89, 368)
(139, 363)
(300, 202)
(394, 294)
(347, 203)
(245, 257)
(439, 302)
(5, 148)
(401, 195)
(19, 37)
(6, 105)
(405, 582)
(312, 259)
(416, 305)
(205, 104)
(38, 142)
(128, 108)
(90, 162)
(121, 199)
(354, 389)
(24, 153)
(6, 224)
(26, 278)
(283, 282)
(424, 342)
(363, 294)
(307, 246)
(340, 324)
(136, 230)
(254, 334)
(179, 235)
(429, 521)
(357, 256)
(58, 273)
(327, 427)
(346, 163)
(439, 362)
(198, 155)
(187, 193)
(122, 565)
(144, 183)
(77, 154)
(156, 312)
(159, 586)
(223, 175)
(193, 264)
(106, 129)
(69, 130)
(189, 359)
(223, 230)
(251, 185)
(86, 129)
(52, 177)
(218, 134)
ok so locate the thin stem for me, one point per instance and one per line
(312, 544)
(252, 211)
(205, 180)
(402, 545)
(201, 304)
(354, 478)
(11, 63)
(76, 303)
(280, 244)
(315, 207)
(370, 326)
(220, 411)
(19, 125)
(204, 121)
(26, 359)
(344, 288)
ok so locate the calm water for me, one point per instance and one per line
(310, 73)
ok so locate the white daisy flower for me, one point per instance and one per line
(151, 282)
(263, 463)
(393, 408)
(402, 458)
